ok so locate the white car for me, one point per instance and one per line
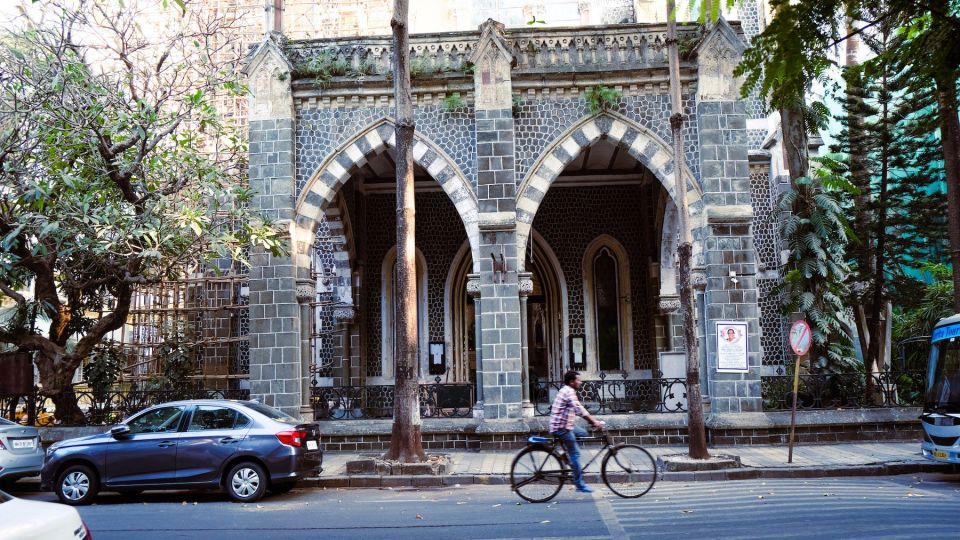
(21, 519)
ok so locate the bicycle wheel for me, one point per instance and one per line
(536, 474)
(628, 470)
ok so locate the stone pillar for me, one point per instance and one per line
(306, 293)
(496, 195)
(275, 355)
(730, 293)
(525, 286)
(473, 289)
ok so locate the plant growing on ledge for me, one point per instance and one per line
(601, 98)
(452, 102)
(516, 102)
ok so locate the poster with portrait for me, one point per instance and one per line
(732, 354)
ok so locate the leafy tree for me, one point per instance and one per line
(815, 282)
(116, 172)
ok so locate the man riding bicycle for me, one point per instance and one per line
(565, 406)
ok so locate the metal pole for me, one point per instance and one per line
(793, 409)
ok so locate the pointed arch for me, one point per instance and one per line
(322, 186)
(645, 146)
(608, 246)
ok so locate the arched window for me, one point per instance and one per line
(606, 306)
(388, 304)
(606, 294)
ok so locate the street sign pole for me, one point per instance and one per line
(800, 339)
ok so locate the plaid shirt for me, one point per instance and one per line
(564, 407)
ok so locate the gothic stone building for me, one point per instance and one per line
(545, 231)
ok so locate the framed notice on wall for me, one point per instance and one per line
(732, 347)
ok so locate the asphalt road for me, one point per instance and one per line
(888, 507)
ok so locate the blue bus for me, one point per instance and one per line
(941, 404)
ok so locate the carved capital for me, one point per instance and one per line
(525, 283)
(473, 285)
(344, 314)
(668, 304)
(306, 290)
(698, 279)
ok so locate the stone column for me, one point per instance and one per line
(275, 355)
(525, 286)
(496, 196)
(730, 293)
(306, 293)
(473, 289)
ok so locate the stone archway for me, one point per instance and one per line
(644, 146)
(322, 187)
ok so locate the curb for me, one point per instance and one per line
(32, 485)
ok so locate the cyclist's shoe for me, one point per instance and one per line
(584, 489)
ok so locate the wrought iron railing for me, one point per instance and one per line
(618, 395)
(100, 407)
(844, 390)
(437, 400)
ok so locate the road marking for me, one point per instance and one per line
(609, 518)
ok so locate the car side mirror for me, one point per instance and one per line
(119, 432)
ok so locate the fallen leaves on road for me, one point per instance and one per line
(545, 521)
(496, 505)
(419, 516)
(686, 511)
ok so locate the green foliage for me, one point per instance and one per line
(534, 20)
(424, 66)
(600, 98)
(104, 367)
(792, 52)
(452, 102)
(468, 67)
(936, 302)
(516, 101)
(112, 178)
(816, 234)
(177, 363)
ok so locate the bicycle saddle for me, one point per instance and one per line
(536, 439)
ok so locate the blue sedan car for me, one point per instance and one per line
(241, 447)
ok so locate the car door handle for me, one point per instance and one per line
(228, 440)
(166, 444)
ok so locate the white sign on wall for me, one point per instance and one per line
(732, 352)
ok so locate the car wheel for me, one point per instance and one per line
(77, 485)
(280, 488)
(246, 482)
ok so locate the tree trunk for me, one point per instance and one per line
(950, 140)
(67, 411)
(872, 360)
(405, 442)
(696, 431)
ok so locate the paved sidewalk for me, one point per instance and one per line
(824, 460)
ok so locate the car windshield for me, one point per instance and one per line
(270, 412)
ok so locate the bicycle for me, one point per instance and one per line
(539, 471)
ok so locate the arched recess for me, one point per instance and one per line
(387, 312)
(459, 319)
(645, 146)
(669, 239)
(546, 264)
(322, 187)
(606, 246)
